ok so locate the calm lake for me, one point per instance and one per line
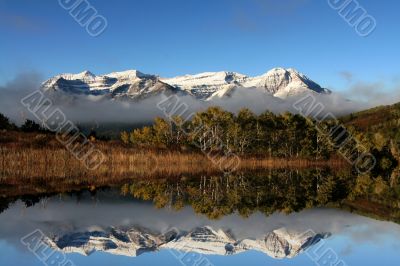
(277, 217)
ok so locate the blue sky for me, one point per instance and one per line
(177, 37)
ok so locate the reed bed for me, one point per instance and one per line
(27, 158)
(32, 167)
(49, 163)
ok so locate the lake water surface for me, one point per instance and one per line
(255, 219)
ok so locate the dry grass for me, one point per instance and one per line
(52, 163)
(32, 164)
(33, 156)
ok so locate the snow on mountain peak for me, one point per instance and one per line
(205, 84)
(279, 82)
(283, 82)
(69, 76)
(206, 79)
(129, 74)
(131, 84)
(87, 73)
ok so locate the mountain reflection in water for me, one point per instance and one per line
(280, 213)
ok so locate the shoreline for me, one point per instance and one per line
(59, 162)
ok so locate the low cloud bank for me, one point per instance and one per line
(96, 109)
(383, 91)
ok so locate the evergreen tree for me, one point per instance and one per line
(31, 126)
(5, 123)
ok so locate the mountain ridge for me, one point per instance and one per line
(133, 84)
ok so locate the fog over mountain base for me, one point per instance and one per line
(98, 109)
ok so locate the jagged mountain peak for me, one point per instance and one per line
(289, 74)
(282, 69)
(282, 82)
(86, 74)
(129, 84)
(133, 84)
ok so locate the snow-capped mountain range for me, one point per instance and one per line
(280, 243)
(132, 84)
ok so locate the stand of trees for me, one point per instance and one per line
(216, 130)
(28, 126)
(285, 135)
(377, 127)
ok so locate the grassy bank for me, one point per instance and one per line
(34, 155)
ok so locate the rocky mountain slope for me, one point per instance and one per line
(133, 84)
(128, 84)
